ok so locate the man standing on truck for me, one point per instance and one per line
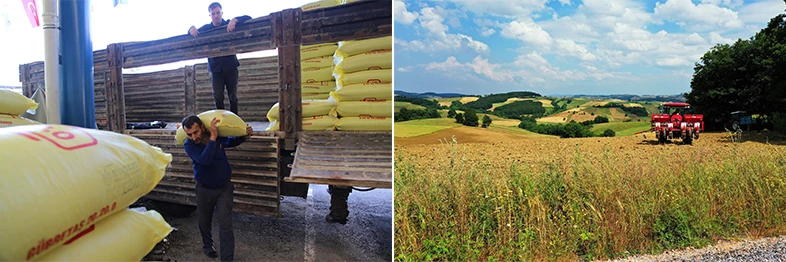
(214, 188)
(223, 69)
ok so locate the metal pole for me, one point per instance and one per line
(52, 61)
(77, 97)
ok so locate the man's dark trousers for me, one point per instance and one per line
(219, 80)
(221, 199)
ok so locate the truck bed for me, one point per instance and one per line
(344, 158)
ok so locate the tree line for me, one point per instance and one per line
(747, 75)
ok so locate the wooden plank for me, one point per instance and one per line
(344, 158)
(115, 96)
(354, 21)
(287, 25)
(190, 91)
(250, 36)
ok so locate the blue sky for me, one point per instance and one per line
(564, 46)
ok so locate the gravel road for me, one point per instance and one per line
(765, 249)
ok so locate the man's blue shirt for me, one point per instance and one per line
(211, 166)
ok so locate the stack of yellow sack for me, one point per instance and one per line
(316, 63)
(13, 105)
(320, 4)
(364, 84)
(65, 195)
(229, 124)
(316, 116)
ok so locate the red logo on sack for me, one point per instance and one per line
(66, 138)
(372, 99)
(369, 117)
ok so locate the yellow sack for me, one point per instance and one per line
(9, 120)
(13, 103)
(384, 76)
(365, 108)
(354, 47)
(317, 87)
(314, 96)
(273, 126)
(314, 123)
(324, 61)
(316, 74)
(229, 124)
(365, 124)
(361, 92)
(381, 59)
(310, 108)
(62, 179)
(314, 51)
(320, 123)
(320, 4)
(128, 235)
(351, 1)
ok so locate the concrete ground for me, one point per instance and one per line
(301, 234)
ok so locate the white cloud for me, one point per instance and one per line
(701, 16)
(415, 45)
(488, 32)
(695, 39)
(716, 38)
(450, 63)
(729, 3)
(401, 15)
(673, 61)
(527, 31)
(405, 69)
(482, 66)
(564, 2)
(504, 8)
(578, 51)
(432, 21)
(437, 38)
(761, 12)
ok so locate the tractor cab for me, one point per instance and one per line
(741, 120)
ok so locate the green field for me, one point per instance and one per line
(621, 128)
(399, 105)
(577, 102)
(422, 126)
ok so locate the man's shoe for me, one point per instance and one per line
(332, 220)
(211, 253)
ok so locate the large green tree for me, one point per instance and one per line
(748, 75)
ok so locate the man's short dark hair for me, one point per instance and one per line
(190, 120)
(214, 5)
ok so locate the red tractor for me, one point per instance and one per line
(672, 125)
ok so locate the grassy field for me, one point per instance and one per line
(520, 199)
(422, 126)
(399, 105)
(621, 128)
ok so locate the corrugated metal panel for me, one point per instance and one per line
(254, 165)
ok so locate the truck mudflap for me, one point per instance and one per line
(344, 158)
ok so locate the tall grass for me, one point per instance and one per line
(584, 206)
